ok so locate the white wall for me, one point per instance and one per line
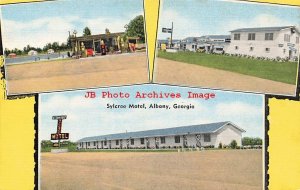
(227, 134)
(260, 44)
(224, 136)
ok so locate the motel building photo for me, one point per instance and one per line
(209, 43)
(270, 42)
(113, 41)
(193, 136)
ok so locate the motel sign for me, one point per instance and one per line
(167, 30)
(59, 135)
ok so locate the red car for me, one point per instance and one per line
(90, 52)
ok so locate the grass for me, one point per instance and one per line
(285, 72)
(72, 148)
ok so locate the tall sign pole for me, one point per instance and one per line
(169, 30)
(59, 135)
(171, 45)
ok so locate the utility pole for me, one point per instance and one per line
(171, 36)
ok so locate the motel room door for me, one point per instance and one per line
(290, 54)
(156, 142)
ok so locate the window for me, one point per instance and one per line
(251, 36)
(297, 40)
(251, 48)
(206, 137)
(88, 143)
(237, 36)
(177, 139)
(117, 142)
(162, 140)
(105, 143)
(287, 38)
(142, 141)
(132, 141)
(268, 36)
(193, 46)
(236, 47)
(267, 49)
(94, 143)
(284, 50)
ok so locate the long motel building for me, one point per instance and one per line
(203, 135)
(270, 42)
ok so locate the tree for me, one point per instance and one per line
(136, 28)
(55, 46)
(87, 31)
(246, 141)
(233, 144)
(7, 52)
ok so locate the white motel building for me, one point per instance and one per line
(203, 135)
(269, 42)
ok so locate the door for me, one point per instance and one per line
(185, 144)
(156, 142)
(147, 143)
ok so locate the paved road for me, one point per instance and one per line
(40, 57)
(174, 72)
(77, 73)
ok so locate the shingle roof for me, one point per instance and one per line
(216, 36)
(192, 129)
(167, 41)
(262, 29)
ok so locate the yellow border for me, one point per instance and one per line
(17, 128)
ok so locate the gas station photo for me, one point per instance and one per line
(57, 47)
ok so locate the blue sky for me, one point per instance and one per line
(90, 117)
(39, 23)
(205, 17)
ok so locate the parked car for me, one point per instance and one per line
(90, 52)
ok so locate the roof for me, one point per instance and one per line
(97, 36)
(167, 41)
(262, 29)
(216, 36)
(190, 39)
(192, 129)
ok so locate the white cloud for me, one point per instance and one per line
(90, 117)
(36, 33)
(182, 25)
(41, 31)
(261, 20)
(235, 109)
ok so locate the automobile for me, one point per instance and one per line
(90, 52)
(12, 55)
(50, 51)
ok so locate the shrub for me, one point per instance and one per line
(220, 145)
(233, 144)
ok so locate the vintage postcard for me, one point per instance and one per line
(55, 46)
(231, 45)
(151, 137)
(149, 94)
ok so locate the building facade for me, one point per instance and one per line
(268, 42)
(204, 135)
(208, 43)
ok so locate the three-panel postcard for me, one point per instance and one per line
(149, 94)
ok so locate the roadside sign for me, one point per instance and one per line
(55, 145)
(59, 117)
(59, 136)
(167, 30)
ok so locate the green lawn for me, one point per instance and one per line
(285, 72)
